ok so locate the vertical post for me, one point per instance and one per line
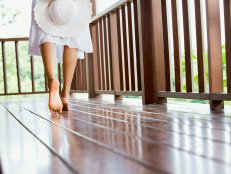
(90, 76)
(4, 67)
(215, 52)
(177, 58)
(158, 51)
(92, 59)
(200, 47)
(17, 66)
(187, 45)
(166, 45)
(115, 52)
(227, 15)
(146, 55)
(32, 73)
(60, 76)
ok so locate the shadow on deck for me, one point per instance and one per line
(103, 136)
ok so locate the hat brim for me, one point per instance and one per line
(74, 27)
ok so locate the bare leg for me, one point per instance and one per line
(69, 64)
(48, 51)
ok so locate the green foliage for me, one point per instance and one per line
(25, 69)
(7, 14)
(195, 70)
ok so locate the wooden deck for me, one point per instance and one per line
(107, 137)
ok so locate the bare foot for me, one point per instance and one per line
(55, 103)
(65, 102)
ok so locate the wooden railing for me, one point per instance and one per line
(20, 62)
(138, 51)
(21, 59)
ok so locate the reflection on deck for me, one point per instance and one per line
(102, 136)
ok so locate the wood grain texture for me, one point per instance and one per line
(131, 42)
(4, 68)
(187, 46)
(137, 43)
(120, 137)
(96, 52)
(102, 55)
(110, 43)
(200, 47)
(227, 17)
(158, 49)
(214, 51)
(115, 52)
(105, 28)
(166, 45)
(18, 66)
(119, 18)
(146, 56)
(32, 74)
(177, 57)
(125, 47)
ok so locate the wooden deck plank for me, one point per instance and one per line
(78, 152)
(131, 137)
(151, 135)
(20, 152)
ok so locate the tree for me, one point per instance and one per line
(7, 14)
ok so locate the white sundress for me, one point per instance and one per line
(37, 37)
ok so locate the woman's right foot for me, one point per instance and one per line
(55, 103)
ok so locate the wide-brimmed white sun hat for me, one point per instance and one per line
(63, 18)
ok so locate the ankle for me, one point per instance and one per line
(54, 81)
(65, 94)
(50, 80)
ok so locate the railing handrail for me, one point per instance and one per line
(14, 39)
(109, 9)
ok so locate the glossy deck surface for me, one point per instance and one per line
(107, 137)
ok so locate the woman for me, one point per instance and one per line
(60, 33)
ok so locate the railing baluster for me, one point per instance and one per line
(94, 77)
(32, 73)
(78, 75)
(102, 55)
(4, 67)
(74, 79)
(84, 74)
(81, 75)
(125, 48)
(166, 46)
(99, 56)
(137, 46)
(45, 81)
(114, 35)
(110, 51)
(188, 53)
(200, 48)
(120, 60)
(131, 42)
(59, 76)
(227, 15)
(177, 59)
(106, 52)
(18, 66)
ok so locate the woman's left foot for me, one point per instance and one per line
(55, 104)
(65, 102)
